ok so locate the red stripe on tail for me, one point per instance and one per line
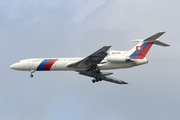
(144, 51)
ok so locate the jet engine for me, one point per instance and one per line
(118, 58)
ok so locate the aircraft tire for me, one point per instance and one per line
(93, 67)
(87, 69)
(31, 75)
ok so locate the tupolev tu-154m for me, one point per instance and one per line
(93, 64)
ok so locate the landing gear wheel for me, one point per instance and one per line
(31, 75)
(98, 69)
(87, 69)
(93, 67)
(93, 81)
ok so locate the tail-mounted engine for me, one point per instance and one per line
(116, 58)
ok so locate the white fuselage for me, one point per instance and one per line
(60, 64)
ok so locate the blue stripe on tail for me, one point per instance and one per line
(136, 53)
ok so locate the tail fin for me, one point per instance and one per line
(142, 48)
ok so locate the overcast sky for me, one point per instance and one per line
(77, 28)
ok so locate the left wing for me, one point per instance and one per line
(92, 59)
(101, 76)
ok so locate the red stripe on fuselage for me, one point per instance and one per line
(49, 64)
(144, 51)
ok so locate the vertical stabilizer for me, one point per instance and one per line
(142, 48)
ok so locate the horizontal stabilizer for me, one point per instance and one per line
(157, 42)
(153, 39)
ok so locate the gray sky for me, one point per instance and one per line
(77, 28)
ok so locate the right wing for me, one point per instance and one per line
(114, 80)
(102, 76)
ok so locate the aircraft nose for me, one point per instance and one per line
(14, 66)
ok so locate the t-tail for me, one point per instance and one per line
(142, 48)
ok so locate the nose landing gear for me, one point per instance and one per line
(31, 75)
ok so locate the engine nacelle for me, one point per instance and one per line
(116, 58)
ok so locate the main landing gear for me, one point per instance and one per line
(31, 75)
(96, 80)
(92, 67)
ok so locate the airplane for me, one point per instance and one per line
(93, 64)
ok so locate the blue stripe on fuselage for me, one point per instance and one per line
(43, 64)
(136, 53)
